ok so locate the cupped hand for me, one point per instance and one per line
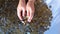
(21, 9)
(30, 10)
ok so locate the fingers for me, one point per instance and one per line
(28, 13)
(19, 13)
(31, 15)
(23, 13)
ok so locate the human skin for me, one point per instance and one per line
(23, 7)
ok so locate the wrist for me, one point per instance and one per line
(31, 1)
(21, 0)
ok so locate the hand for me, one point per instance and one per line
(21, 8)
(30, 10)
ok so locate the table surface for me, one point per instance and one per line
(55, 28)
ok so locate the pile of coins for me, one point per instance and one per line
(10, 23)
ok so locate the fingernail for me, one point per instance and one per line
(29, 20)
